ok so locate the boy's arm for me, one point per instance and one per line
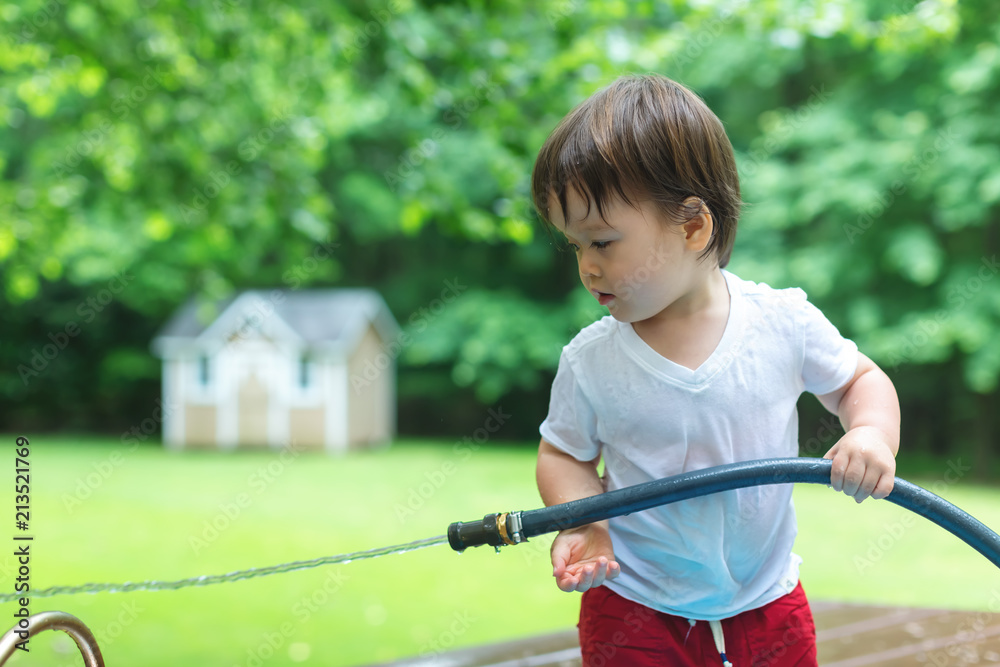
(864, 462)
(582, 557)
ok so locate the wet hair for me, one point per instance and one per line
(643, 137)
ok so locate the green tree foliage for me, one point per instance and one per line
(153, 150)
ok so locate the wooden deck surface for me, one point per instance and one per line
(848, 635)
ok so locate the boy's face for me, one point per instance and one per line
(635, 263)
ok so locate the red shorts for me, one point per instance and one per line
(615, 632)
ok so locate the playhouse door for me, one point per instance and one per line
(253, 400)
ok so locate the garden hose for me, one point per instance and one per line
(508, 528)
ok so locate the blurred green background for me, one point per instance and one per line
(154, 150)
(159, 149)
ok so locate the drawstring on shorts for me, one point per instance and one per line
(717, 636)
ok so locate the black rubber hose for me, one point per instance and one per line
(736, 476)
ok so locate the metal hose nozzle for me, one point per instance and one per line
(496, 530)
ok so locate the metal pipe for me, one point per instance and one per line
(703, 482)
(53, 620)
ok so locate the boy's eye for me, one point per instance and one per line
(600, 245)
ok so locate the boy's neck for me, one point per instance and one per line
(707, 293)
(689, 330)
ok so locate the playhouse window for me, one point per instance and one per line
(303, 371)
(203, 376)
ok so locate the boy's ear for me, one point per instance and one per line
(698, 230)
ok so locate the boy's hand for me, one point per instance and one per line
(583, 558)
(863, 464)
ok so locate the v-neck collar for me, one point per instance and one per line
(723, 355)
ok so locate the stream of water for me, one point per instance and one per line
(209, 579)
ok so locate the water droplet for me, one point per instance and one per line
(376, 614)
(299, 652)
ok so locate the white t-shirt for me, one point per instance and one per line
(711, 557)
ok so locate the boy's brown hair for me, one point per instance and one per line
(644, 137)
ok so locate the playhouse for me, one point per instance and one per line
(273, 368)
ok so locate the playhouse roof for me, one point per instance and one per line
(315, 319)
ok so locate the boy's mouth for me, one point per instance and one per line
(603, 298)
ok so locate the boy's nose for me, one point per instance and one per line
(589, 268)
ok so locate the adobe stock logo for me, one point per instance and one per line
(59, 340)
(419, 320)
(463, 449)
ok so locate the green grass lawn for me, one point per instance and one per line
(100, 513)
